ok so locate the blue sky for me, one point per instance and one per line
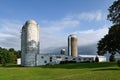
(57, 19)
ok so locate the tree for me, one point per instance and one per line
(18, 54)
(114, 12)
(9, 56)
(102, 45)
(111, 41)
(12, 57)
(118, 63)
(11, 50)
(4, 56)
(96, 59)
(112, 58)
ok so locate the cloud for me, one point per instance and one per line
(86, 37)
(90, 16)
(52, 40)
(90, 36)
(10, 34)
(54, 33)
(62, 23)
(50, 37)
(75, 20)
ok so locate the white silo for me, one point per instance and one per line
(29, 43)
(72, 45)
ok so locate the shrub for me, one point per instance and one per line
(118, 63)
(96, 59)
(112, 58)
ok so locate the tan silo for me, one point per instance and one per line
(72, 45)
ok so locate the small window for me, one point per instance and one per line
(66, 57)
(89, 58)
(85, 59)
(73, 58)
(79, 59)
(45, 61)
(50, 60)
(50, 57)
(58, 56)
(42, 57)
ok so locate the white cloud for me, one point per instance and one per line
(62, 23)
(87, 37)
(10, 34)
(75, 20)
(51, 36)
(90, 16)
(65, 23)
(90, 36)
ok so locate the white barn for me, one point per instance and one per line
(117, 58)
(91, 58)
(30, 53)
(44, 59)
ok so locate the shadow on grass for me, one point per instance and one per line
(70, 66)
(11, 66)
(107, 69)
(80, 65)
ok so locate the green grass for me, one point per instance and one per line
(79, 71)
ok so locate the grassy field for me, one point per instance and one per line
(79, 71)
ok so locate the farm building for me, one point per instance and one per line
(30, 53)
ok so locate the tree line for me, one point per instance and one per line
(110, 43)
(9, 55)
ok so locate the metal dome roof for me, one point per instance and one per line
(31, 21)
(63, 49)
(73, 35)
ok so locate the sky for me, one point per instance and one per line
(57, 19)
